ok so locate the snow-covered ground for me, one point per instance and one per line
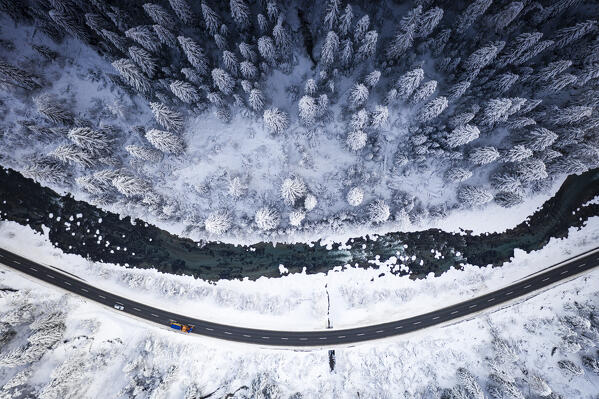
(59, 346)
(299, 301)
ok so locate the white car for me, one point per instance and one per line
(119, 307)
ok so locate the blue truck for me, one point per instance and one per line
(186, 328)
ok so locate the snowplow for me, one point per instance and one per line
(186, 328)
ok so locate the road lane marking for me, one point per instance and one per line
(509, 293)
(545, 279)
(247, 336)
(454, 312)
(303, 339)
(398, 327)
(416, 322)
(83, 289)
(50, 276)
(265, 337)
(359, 334)
(581, 265)
(322, 338)
(67, 283)
(490, 300)
(526, 286)
(285, 338)
(155, 315)
(33, 268)
(137, 309)
(379, 331)
(341, 336)
(435, 318)
(564, 272)
(472, 306)
(228, 333)
(17, 262)
(102, 296)
(209, 329)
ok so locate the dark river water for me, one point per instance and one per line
(28, 203)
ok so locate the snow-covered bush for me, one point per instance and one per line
(355, 196)
(267, 218)
(218, 222)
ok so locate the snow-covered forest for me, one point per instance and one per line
(264, 118)
(55, 346)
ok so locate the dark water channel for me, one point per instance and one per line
(28, 203)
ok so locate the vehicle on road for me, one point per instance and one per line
(119, 307)
(186, 328)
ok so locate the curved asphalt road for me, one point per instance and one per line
(320, 338)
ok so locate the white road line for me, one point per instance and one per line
(83, 289)
(138, 310)
(265, 337)
(50, 276)
(17, 262)
(67, 283)
(341, 336)
(435, 318)
(490, 300)
(398, 327)
(102, 296)
(322, 338)
(472, 306)
(416, 322)
(564, 272)
(247, 336)
(209, 329)
(509, 293)
(526, 286)
(581, 265)
(379, 331)
(155, 315)
(454, 312)
(545, 279)
(228, 333)
(360, 334)
(33, 268)
(303, 339)
(285, 338)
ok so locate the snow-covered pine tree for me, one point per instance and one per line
(248, 70)
(256, 100)
(372, 79)
(569, 35)
(17, 77)
(166, 142)
(92, 141)
(531, 169)
(508, 199)
(53, 110)
(117, 40)
(131, 186)
(356, 140)
(308, 110)
(246, 52)
(483, 155)
(496, 110)
(474, 10)
(358, 95)
(144, 60)
(218, 222)
(424, 91)
(276, 120)
(329, 49)
(331, 14)
(347, 53)
(462, 135)
(516, 153)
(292, 189)
(360, 119)
(211, 19)
(73, 154)
(46, 169)
(70, 23)
(380, 116)
(132, 75)
(267, 218)
(367, 46)
(267, 50)
(184, 91)
(223, 81)
(456, 91)
(408, 83)
(166, 117)
(345, 21)
(428, 22)
(355, 196)
(378, 211)
(473, 195)
(481, 58)
(537, 139)
(144, 35)
(182, 10)
(159, 15)
(195, 54)
(457, 175)
(144, 153)
(518, 47)
(297, 217)
(432, 109)
(282, 39)
(240, 12)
